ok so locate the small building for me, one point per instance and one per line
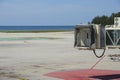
(117, 22)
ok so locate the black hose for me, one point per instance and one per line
(98, 55)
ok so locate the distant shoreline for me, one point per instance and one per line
(31, 31)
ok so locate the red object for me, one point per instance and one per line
(86, 75)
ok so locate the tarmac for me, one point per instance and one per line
(53, 53)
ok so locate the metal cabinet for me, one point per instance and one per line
(90, 37)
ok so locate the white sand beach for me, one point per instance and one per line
(53, 51)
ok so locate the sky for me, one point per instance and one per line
(54, 12)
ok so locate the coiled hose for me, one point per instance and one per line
(99, 56)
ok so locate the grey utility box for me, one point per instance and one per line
(90, 36)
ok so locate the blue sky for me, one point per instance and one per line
(54, 12)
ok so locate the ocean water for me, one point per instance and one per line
(36, 27)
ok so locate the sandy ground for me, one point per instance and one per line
(31, 59)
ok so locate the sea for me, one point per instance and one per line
(36, 28)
